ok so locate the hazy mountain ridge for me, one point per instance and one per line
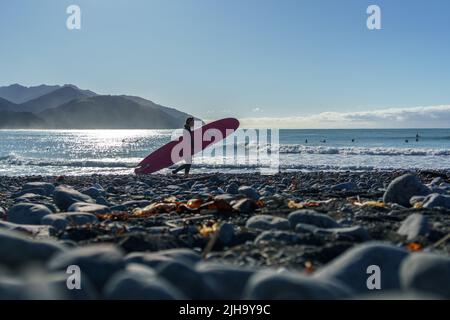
(107, 112)
(6, 105)
(18, 94)
(20, 120)
(68, 107)
(53, 99)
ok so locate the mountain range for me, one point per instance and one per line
(69, 107)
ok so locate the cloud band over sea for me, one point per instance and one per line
(413, 117)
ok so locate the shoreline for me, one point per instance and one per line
(233, 223)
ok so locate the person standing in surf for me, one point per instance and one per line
(188, 158)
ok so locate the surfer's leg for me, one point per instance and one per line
(187, 167)
(183, 166)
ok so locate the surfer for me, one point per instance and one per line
(188, 159)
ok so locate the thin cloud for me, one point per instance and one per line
(416, 117)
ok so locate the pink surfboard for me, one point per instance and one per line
(161, 158)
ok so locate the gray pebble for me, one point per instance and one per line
(245, 205)
(351, 266)
(403, 188)
(27, 213)
(312, 217)
(267, 285)
(186, 279)
(413, 226)
(436, 200)
(94, 192)
(226, 233)
(249, 192)
(227, 281)
(232, 188)
(49, 188)
(278, 236)
(132, 285)
(268, 222)
(97, 262)
(64, 197)
(428, 273)
(155, 259)
(16, 250)
(60, 221)
(88, 207)
(344, 186)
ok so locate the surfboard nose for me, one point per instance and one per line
(138, 170)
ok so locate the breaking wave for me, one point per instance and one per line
(373, 151)
(15, 160)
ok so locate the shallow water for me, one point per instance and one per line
(54, 152)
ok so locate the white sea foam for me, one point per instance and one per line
(380, 151)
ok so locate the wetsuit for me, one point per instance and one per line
(188, 159)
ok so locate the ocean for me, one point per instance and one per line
(81, 152)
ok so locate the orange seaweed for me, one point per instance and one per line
(414, 246)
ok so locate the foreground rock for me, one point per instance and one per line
(60, 221)
(286, 237)
(357, 233)
(345, 186)
(278, 286)
(351, 268)
(436, 200)
(65, 196)
(16, 250)
(186, 279)
(156, 259)
(28, 229)
(428, 273)
(132, 285)
(249, 192)
(415, 225)
(28, 213)
(48, 188)
(88, 207)
(313, 218)
(227, 282)
(97, 262)
(403, 188)
(267, 222)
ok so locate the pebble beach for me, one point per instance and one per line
(299, 235)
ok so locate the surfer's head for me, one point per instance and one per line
(189, 122)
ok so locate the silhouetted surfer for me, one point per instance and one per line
(417, 137)
(188, 159)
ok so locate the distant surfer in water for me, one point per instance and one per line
(188, 159)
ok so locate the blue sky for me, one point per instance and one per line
(252, 59)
